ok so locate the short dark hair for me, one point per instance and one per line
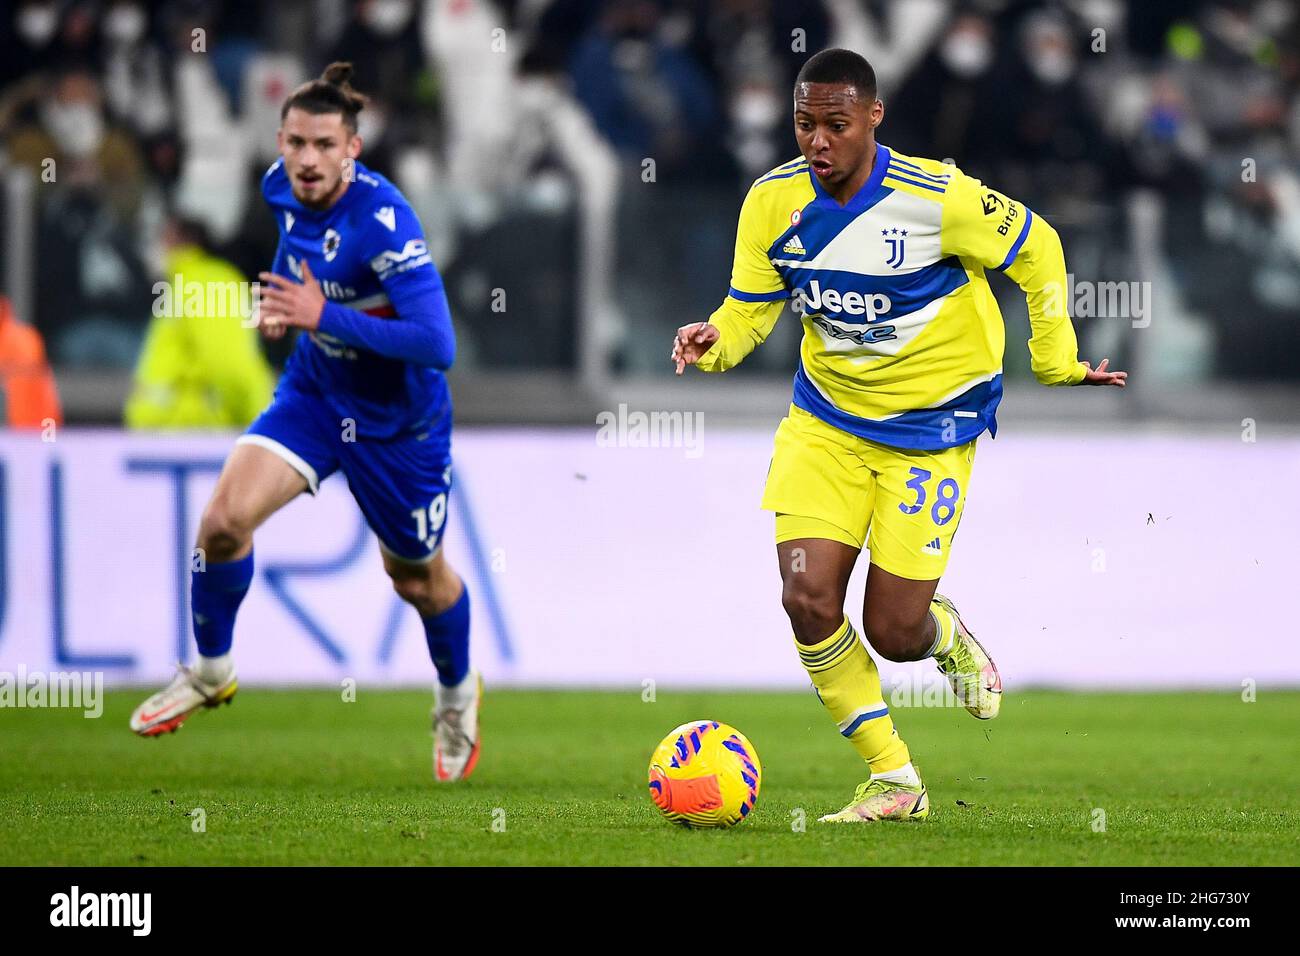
(192, 231)
(839, 66)
(332, 92)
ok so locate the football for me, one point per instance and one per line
(705, 774)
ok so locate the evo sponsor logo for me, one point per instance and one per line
(134, 910)
(412, 255)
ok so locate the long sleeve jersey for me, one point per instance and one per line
(903, 338)
(385, 333)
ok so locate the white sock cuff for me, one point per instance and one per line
(904, 774)
(941, 647)
(215, 670)
(459, 695)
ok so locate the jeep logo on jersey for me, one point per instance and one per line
(331, 244)
(894, 239)
(414, 253)
(815, 299)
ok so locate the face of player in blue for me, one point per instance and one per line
(318, 150)
(835, 128)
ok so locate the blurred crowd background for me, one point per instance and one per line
(587, 159)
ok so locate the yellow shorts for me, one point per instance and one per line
(826, 483)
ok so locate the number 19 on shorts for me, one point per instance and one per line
(429, 521)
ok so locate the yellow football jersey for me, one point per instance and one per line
(902, 337)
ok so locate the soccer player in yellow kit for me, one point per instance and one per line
(900, 372)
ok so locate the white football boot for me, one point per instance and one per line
(165, 711)
(456, 740)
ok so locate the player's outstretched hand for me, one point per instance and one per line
(290, 304)
(1099, 375)
(692, 341)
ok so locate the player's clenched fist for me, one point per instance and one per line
(692, 341)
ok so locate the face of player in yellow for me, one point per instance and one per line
(835, 128)
(318, 150)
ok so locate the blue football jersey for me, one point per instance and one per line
(380, 368)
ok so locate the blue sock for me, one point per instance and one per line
(215, 595)
(448, 637)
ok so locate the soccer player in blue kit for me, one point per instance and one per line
(363, 393)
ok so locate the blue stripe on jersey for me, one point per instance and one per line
(815, 229)
(822, 220)
(903, 178)
(758, 296)
(787, 175)
(919, 430)
(906, 173)
(1020, 241)
(917, 171)
(907, 292)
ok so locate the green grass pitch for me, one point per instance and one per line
(301, 777)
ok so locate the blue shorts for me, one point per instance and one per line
(400, 483)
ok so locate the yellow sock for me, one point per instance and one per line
(848, 684)
(945, 630)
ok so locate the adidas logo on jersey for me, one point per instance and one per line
(794, 247)
(932, 548)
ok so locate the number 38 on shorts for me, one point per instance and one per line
(948, 492)
(902, 505)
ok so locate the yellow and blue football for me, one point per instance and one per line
(705, 774)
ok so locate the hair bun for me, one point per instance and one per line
(331, 92)
(338, 74)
